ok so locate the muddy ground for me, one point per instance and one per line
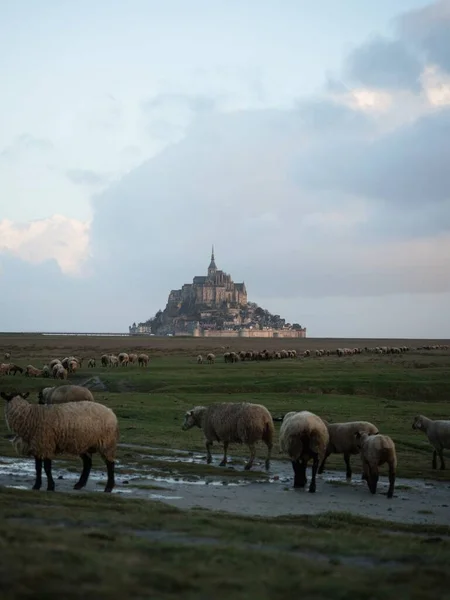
(415, 501)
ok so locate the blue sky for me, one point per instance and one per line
(132, 135)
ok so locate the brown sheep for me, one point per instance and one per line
(143, 360)
(376, 450)
(229, 422)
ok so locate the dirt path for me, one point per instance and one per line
(415, 501)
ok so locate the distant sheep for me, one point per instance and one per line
(13, 369)
(46, 371)
(7, 355)
(228, 422)
(342, 441)
(91, 363)
(376, 450)
(105, 360)
(79, 428)
(303, 435)
(438, 433)
(210, 358)
(124, 359)
(5, 368)
(199, 359)
(132, 358)
(143, 360)
(31, 371)
(59, 372)
(65, 393)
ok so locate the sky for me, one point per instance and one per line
(309, 142)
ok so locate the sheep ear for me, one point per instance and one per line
(25, 395)
(6, 396)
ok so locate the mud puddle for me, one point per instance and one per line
(415, 501)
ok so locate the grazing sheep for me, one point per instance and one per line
(5, 368)
(303, 435)
(132, 358)
(13, 369)
(65, 393)
(7, 356)
(143, 360)
(124, 359)
(79, 428)
(105, 360)
(59, 372)
(113, 360)
(210, 358)
(438, 432)
(31, 371)
(91, 363)
(199, 359)
(229, 422)
(342, 441)
(73, 366)
(54, 362)
(376, 450)
(46, 371)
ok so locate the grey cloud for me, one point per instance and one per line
(87, 177)
(429, 30)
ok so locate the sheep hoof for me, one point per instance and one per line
(248, 466)
(267, 465)
(223, 463)
(312, 489)
(78, 486)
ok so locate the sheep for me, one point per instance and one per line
(342, 440)
(210, 358)
(199, 359)
(113, 360)
(228, 422)
(132, 358)
(303, 435)
(73, 366)
(46, 371)
(376, 450)
(54, 362)
(438, 432)
(79, 428)
(31, 371)
(124, 359)
(59, 372)
(7, 356)
(143, 360)
(65, 393)
(105, 360)
(5, 368)
(13, 369)
(91, 363)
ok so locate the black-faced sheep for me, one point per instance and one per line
(303, 435)
(79, 428)
(376, 450)
(233, 423)
(342, 441)
(438, 433)
(65, 393)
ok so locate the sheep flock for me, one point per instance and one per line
(67, 419)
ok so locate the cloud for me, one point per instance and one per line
(25, 144)
(58, 238)
(87, 177)
(384, 63)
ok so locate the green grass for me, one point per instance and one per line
(104, 546)
(99, 547)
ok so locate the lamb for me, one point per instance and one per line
(376, 450)
(229, 422)
(438, 432)
(342, 440)
(199, 359)
(210, 358)
(65, 393)
(303, 435)
(79, 428)
(91, 363)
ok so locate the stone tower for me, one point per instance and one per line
(212, 269)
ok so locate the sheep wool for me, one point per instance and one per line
(65, 393)
(303, 435)
(230, 422)
(79, 428)
(377, 450)
(438, 433)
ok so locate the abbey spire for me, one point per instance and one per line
(212, 265)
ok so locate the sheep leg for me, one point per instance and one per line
(110, 468)
(87, 464)
(434, 462)
(38, 467)
(224, 459)
(373, 480)
(299, 474)
(348, 474)
(208, 445)
(269, 454)
(441, 456)
(315, 466)
(48, 472)
(322, 466)
(391, 481)
(249, 465)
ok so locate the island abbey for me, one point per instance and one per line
(214, 305)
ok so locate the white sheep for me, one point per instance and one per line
(65, 393)
(376, 450)
(211, 358)
(79, 428)
(303, 435)
(199, 359)
(342, 441)
(438, 432)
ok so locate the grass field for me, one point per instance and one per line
(108, 546)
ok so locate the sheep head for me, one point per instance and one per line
(9, 396)
(360, 436)
(193, 418)
(418, 423)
